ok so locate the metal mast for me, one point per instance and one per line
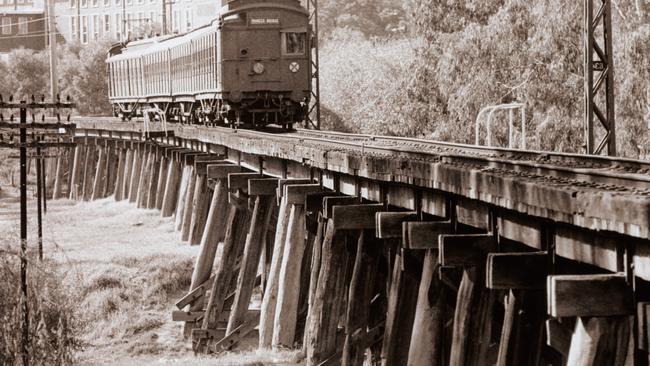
(314, 108)
(599, 77)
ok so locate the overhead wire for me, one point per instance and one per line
(27, 35)
(19, 23)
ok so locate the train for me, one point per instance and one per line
(251, 66)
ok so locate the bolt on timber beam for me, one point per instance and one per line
(599, 75)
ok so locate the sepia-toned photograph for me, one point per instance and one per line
(325, 182)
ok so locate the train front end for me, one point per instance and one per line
(265, 70)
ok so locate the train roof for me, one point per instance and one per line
(228, 6)
(152, 45)
(232, 4)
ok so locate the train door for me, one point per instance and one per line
(263, 54)
(255, 51)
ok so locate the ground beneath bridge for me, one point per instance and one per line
(126, 267)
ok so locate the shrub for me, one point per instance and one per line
(53, 328)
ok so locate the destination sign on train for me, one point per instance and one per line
(265, 21)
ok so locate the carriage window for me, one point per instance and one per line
(294, 43)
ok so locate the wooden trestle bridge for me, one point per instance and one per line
(389, 250)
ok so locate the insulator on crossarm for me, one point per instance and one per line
(58, 98)
(43, 98)
(43, 117)
(33, 99)
(11, 98)
(33, 118)
(11, 118)
(2, 118)
(58, 117)
(68, 118)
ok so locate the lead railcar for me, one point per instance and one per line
(251, 66)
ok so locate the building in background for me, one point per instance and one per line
(89, 20)
(21, 5)
(22, 24)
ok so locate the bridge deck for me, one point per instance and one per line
(592, 193)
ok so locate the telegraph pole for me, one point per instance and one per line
(41, 140)
(24, 346)
(54, 80)
(171, 15)
(78, 21)
(164, 17)
(124, 20)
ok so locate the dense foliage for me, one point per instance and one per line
(460, 56)
(371, 18)
(82, 76)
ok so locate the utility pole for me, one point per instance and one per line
(164, 17)
(41, 140)
(24, 347)
(39, 199)
(599, 77)
(54, 80)
(78, 20)
(171, 16)
(124, 19)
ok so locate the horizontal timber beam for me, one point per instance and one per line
(589, 295)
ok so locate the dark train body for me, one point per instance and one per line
(251, 65)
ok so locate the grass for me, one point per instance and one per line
(123, 268)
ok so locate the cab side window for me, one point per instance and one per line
(293, 43)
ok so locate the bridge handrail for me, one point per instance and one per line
(511, 127)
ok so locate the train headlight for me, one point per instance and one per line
(258, 68)
(294, 67)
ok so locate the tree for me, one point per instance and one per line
(372, 18)
(89, 86)
(29, 74)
